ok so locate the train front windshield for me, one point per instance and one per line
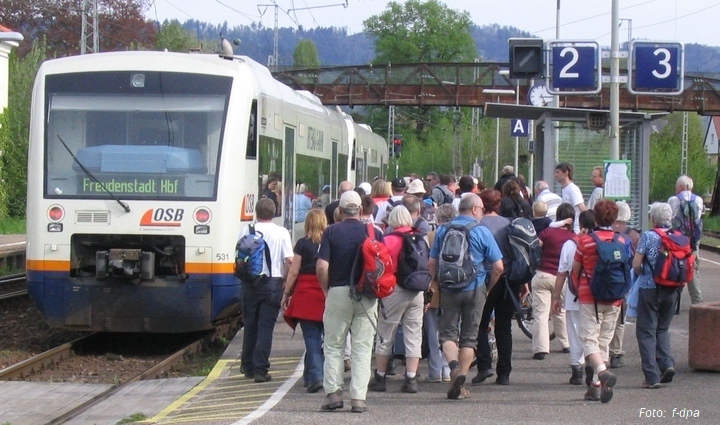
(138, 135)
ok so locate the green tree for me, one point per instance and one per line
(306, 55)
(14, 132)
(173, 37)
(665, 154)
(427, 32)
(421, 31)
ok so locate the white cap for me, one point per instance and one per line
(350, 200)
(416, 186)
(366, 187)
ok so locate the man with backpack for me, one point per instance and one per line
(262, 294)
(345, 313)
(439, 190)
(398, 187)
(657, 296)
(601, 273)
(460, 250)
(687, 210)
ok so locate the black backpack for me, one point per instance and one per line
(448, 198)
(456, 266)
(525, 251)
(388, 208)
(412, 267)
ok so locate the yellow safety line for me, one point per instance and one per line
(215, 373)
(212, 376)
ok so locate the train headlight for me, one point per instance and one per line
(137, 80)
(202, 215)
(55, 227)
(55, 213)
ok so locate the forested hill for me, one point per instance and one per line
(338, 48)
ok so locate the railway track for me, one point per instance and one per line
(52, 361)
(12, 286)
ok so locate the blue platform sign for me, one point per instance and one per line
(574, 67)
(656, 67)
(519, 128)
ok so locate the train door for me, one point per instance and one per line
(334, 170)
(289, 180)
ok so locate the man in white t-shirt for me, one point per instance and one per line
(683, 192)
(261, 299)
(570, 191)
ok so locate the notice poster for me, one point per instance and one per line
(617, 179)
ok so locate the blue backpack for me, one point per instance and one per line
(250, 252)
(611, 276)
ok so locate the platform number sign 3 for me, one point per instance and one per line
(656, 67)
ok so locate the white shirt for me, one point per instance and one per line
(572, 195)
(278, 241)
(595, 196)
(382, 217)
(456, 201)
(674, 201)
(567, 255)
(552, 200)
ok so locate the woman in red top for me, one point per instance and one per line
(597, 319)
(403, 305)
(543, 285)
(304, 300)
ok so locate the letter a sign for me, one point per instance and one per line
(519, 128)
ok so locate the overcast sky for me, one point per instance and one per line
(688, 21)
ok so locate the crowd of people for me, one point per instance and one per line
(453, 322)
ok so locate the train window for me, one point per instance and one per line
(270, 165)
(251, 149)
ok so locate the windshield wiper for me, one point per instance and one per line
(125, 206)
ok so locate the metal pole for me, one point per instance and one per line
(517, 139)
(615, 82)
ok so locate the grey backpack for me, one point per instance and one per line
(456, 266)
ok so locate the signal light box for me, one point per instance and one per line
(526, 57)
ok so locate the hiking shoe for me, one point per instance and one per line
(262, 377)
(433, 380)
(667, 376)
(377, 383)
(482, 375)
(650, 386)
(539, 356)
(577, 375)
(410, 385)
(315, 387)
(357, 406)
(348, 365)
(607, 382)
(333, 401)
(502, 380)
(565, 350)
(589, 372)
(616, 362)
(456, 384)
(593, 393)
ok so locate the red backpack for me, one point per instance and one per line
(675, 263)
(376, 279)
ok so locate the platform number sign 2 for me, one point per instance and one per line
(656, 67)
(575, 67)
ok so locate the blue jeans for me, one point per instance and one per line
(261, 304)
(313, 335)
(436, 360)
(655, 309)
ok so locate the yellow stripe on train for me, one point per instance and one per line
(64, 266)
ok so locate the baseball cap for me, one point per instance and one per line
(350, 200)
(398, 182)
(416, 186)
(366, 187)
(326, 188)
